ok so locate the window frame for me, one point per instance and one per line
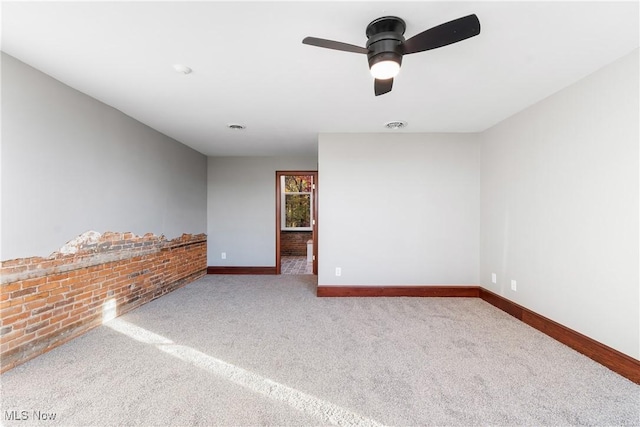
(283, 203)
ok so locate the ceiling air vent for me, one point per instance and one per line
(234, 126)
(397, 124)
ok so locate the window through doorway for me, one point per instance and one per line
(296, 202)
(296, 232)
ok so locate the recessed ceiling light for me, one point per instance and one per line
(182, 68)
(235, 126)
(396, 124)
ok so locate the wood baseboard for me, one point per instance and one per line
(618, 362)
(241, 270)
(399, 291)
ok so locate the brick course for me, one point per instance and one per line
(294, 243)
(45, 302)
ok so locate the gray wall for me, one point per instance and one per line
(398, 209)
(71, 164)
(560, 206)
(241, 205)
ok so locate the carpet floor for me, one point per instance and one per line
(264, 350)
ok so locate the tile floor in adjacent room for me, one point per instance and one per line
(295, 265)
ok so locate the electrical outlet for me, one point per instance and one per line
(223, 255)
(338, 271)
(513, 285)
(494, 278)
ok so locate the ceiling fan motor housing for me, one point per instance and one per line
(385, 40)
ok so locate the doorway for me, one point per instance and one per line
(297, 222)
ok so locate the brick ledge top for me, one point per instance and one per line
(92, 248)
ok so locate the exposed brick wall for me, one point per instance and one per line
(294, 243)
(46, 302)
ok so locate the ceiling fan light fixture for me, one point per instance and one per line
(385, 65)
(384, 70)
(386, 44)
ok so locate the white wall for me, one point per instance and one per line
(398, 209)
(71, 164)
(241, 203)
(560, 200)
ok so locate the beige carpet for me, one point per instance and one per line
(264, 350)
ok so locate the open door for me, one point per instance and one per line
(297, 214)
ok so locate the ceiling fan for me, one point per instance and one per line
(386, 44)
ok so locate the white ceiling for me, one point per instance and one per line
(250, 67)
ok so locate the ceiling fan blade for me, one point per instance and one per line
(444, 34)
(330, 44)
(382, 86)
